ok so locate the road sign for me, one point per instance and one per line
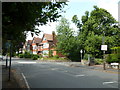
(104, 47)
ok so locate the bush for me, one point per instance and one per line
(86, 56)
(98, 61)
(112, 58)
(56, 56)
(35, 57)
(21, 55)
(27, 55)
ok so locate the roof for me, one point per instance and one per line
(37, 40)
(48, 36)
(29, 42)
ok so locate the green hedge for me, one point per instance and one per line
(35, 57)
(21, 55)
(112, 58)
(28, 55)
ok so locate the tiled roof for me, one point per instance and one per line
(48, 36)
(29, 42)
(37, 40)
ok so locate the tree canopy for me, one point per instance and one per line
(93, 27)
(18, 17)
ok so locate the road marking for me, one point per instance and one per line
(26, 81)
(54, 68)
(79, 75)
(27, 62)
(104, 83)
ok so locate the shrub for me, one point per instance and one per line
(27, 55)
(56, 56)
(98, 61)
(111, 58)
(35, 57)
(21, 55)
(86, 56)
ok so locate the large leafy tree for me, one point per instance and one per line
(18, 17)
(66, 40)
(93, 27)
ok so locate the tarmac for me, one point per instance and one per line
(17, 81)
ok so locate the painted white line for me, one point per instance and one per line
(54, 68)
(104, 83)
(27, 62)
(26, 81)
(79, 75)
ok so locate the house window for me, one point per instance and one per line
(45, 45)
(44, 39)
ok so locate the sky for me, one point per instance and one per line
(78, 7)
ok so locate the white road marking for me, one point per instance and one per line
(79, 75)
(54, 68)
(27, 62)
(104, 83)
(26, 81)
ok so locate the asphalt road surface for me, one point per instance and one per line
(56, 75)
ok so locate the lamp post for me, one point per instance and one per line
(81, 53)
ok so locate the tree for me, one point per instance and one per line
(18, 17)
(65, 38)
(93, 27)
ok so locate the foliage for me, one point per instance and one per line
(27, 55)
(98, 61)
(86, 56)
(67, 42)
(51, 53)
(25, 16)
(92, 27)
(35, 57)
(112, 58)
(56, 56)
(21, 55)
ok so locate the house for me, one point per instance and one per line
(35, 45)
(47, 44)
(27, 46)
(44, 46)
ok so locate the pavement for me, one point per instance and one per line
(6, 83)
(18, 83)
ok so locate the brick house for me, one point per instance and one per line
(35, 45)
(48, 43)
(45, 46)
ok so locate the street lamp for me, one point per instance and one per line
(81, 51)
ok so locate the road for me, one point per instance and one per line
(56, 75)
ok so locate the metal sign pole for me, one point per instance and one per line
(6, 61)
(10, 62)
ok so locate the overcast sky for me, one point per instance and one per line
(78, 7)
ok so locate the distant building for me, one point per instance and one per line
(35, 45)
(48, 43)
(45, 46)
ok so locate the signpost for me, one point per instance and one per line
(104, 48)
(81, 53)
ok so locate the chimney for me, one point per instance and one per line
(53, 35)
